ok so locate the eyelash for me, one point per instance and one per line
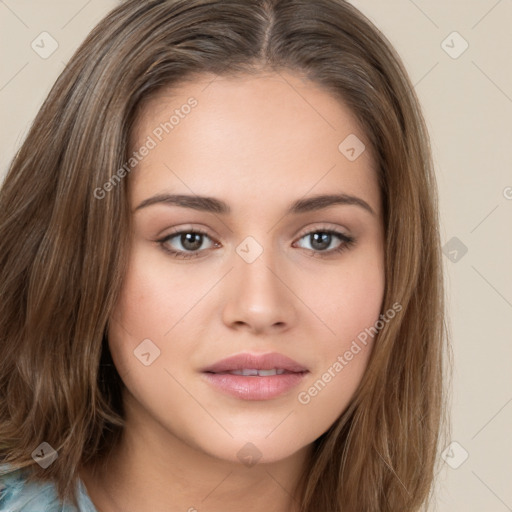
(348, 241)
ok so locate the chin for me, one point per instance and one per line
(254, 447)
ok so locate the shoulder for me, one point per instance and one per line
(19, 495)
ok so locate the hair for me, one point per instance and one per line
(63, 252)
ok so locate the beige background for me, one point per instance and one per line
(468, 106)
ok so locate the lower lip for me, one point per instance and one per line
(254, 388)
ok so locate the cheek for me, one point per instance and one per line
(350, 309)
(155, 295)
(148, 307)
(145, 346)
(356, 304)
(349, 299)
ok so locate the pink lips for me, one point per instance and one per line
(255, 387)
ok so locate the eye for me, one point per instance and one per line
(191, 242)
(321, 239)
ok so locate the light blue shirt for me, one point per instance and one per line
(17, 495)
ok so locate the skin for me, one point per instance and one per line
(258, 143)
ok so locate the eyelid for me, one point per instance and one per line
(345, 239)
(322, 227)
(180, 229)
(303, 232)
(201, 231)
(178, 254)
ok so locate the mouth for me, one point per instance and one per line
(255, 377)
(253, 372)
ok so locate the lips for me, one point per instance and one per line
(255, 377)
(240, 362)
(253, 372)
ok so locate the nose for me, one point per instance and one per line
(260, 297)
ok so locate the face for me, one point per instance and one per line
(248, 265)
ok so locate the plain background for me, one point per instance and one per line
(467, 102)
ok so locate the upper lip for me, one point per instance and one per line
(256, 362)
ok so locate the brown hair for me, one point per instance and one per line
(63, 251)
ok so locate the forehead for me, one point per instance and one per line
(256, 135)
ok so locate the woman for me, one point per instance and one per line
(220, 270)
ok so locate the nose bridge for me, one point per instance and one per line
(257, 263)
(256, 266)
(258, 296)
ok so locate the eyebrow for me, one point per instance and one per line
(213, 205)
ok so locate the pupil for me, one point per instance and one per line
(323, 239)
(188, 242)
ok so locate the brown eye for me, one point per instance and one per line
(191, 241)
(321, 240)
(185, 244)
